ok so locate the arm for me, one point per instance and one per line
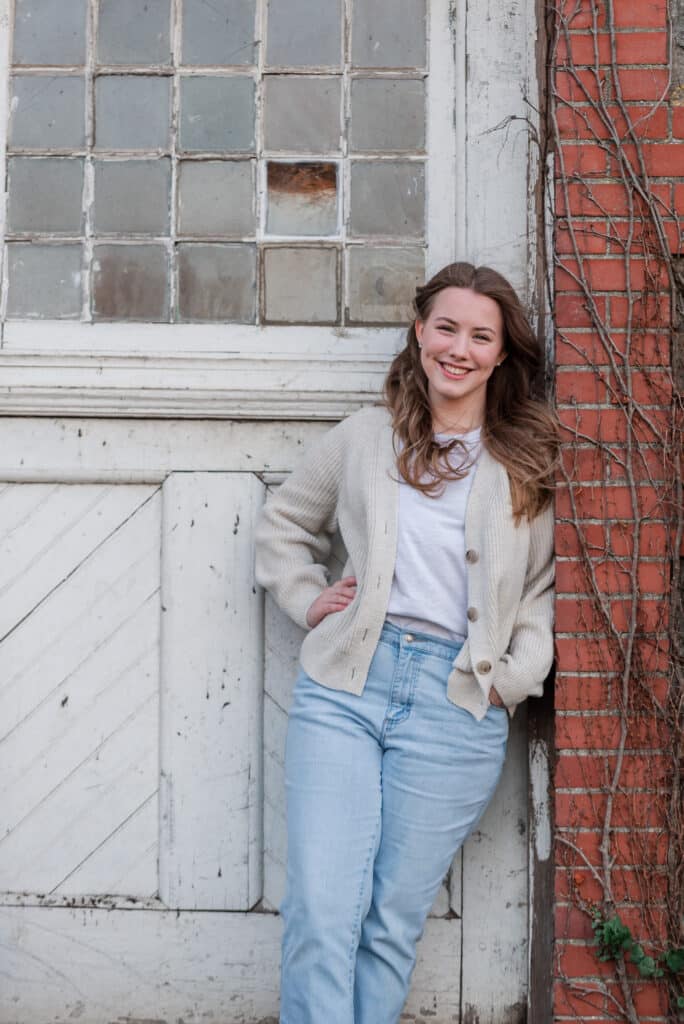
(294, 533)
(521, 671)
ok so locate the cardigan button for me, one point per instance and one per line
(484, 667)
(471, 556)
(473, 615)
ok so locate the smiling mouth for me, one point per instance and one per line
(453, 372)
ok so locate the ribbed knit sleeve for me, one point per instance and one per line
(522, 670)
(293, 536)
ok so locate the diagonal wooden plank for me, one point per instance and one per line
(52, 541)
(125, 862)
(86, 806)
(61, 632)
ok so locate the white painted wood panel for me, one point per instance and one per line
(95, 966)
(212, 665)
(495, 893)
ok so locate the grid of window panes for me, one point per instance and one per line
(245, 161)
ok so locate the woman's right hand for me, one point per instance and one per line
(332, 599)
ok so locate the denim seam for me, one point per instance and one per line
(356, 928)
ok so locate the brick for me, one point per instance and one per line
(600, 199)
(652, 539)
(584, 159)
(581, 86)
(588, 810)
(581, 693)
(577, 961)
(590, 237)
(567, 539)
(629, 848)
(571, 310)
(640, 14)
(592, 771)
(597, 501)
(583, 386)
(628, 884)
(643, 83)
(588, 732)
(664, 159)
(678, 122)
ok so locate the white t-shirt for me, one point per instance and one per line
(429, 588)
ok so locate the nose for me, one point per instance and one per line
(458, 344)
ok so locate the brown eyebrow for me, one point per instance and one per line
(455, 323)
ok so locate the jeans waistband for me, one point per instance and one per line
(426, 643)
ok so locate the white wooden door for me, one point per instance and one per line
(144, 688)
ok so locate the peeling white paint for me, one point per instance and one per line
(540, 779)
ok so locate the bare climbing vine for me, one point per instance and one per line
(623, 431)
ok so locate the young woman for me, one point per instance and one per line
(440, 626)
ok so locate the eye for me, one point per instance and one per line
(482, 337)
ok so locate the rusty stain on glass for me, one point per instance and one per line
(302, 198)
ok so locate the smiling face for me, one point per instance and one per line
(461, 345)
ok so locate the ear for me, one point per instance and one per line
(503, 356)
(419, 329)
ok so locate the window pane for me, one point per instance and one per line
(49, 31)
(33, 184)
(47, 112)
(44, 280)
(220, 32)
(302, 199)
(388, 35)
(216, 197)
(382, 283)
(130, 282)
(302, 113)
(300, 285)
(132, 196)
(131, 32)
(387, 115)
(217, 114)
(388, 198)
(217, 282)
(304, 33)
(132, 112)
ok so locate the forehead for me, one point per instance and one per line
(467, 307)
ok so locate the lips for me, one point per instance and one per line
(453, 372)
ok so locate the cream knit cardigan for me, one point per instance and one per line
(350, 481)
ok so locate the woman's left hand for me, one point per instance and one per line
(495, 699)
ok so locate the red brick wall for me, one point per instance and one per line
(587, 719)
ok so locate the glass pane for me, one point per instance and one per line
(34, 182)
(44, 280)
(217, 282)
(388, 35)
(388, 198)
(302, 199)
(132, 112)
(382, 283)
(304, 33)
(132, 196)
(302, 113)
(216, 197)
(220, 32)
(49, 31)
(387, 115)
(47, 112)
(130, 282)
(300, 285)
(217, 114)
(131, 32)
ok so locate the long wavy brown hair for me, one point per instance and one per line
(519, 429)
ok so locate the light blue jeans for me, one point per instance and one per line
(382, 790)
